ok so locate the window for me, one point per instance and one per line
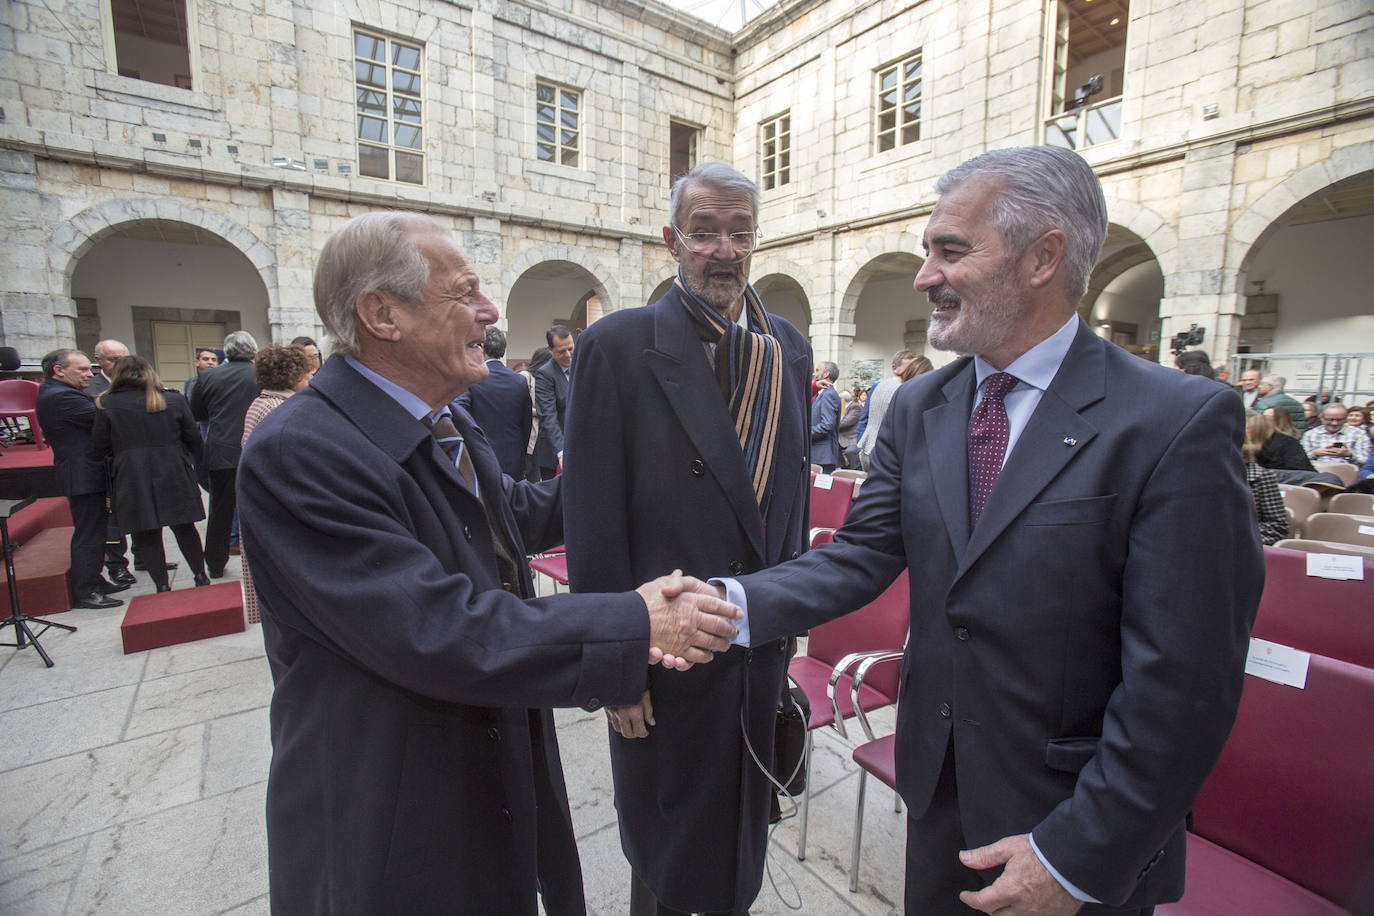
(775, 163)
(898, 105)
(557, 123)
(1087, 71)
(682, 149)
(387, 77)
(151, 41)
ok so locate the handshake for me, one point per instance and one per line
(689, 621)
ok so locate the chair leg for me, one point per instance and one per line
(858, 834)
(805, 800)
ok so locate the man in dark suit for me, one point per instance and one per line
(412, 769)
(1080, 613)
(552, 382)
(681, 457)
(825, 419)
(103, 357)
(500, 404)
(67, 417)
(221, 398)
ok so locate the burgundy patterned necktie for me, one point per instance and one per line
(987, 442)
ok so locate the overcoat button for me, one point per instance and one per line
(467, 532)
(736, 567)
(962, 633)
(505, 812)
(592, 705)
(493, 734)
(795, 554)
(945, 710)
(507, 586)
(698, 467)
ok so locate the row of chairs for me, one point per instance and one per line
(1344, 525)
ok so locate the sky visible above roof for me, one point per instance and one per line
(726, 14)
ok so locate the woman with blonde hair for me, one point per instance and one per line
(149, 432)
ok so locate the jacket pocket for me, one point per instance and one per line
(1088, 510)
(1069, 755)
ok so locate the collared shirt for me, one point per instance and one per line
(1355, 439)
(1035, 369)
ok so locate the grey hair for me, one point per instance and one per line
(1276, 381)
(99, 349)
(1043, 188)
(240, 345)
(58, 358)
(716, 175)
(829, 369)
(375, 251)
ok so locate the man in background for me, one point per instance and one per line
(552, 381)
(221, 400)
(825, 419)
(500, 403)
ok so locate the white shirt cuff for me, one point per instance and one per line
(734, 593)
(1064, 882)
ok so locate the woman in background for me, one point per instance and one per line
(540, 357)
(149, 432)
(881, 397)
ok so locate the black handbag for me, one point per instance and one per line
(789, 745)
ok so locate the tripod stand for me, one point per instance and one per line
(20, 621)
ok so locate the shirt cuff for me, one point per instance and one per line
(734, 593)
(1064, 882)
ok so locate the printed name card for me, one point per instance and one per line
(1334, 566)
(1277, 663)
(824, 481)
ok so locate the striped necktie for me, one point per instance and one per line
(446, 434)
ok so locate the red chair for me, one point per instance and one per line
(876, 756)
(833, 649)
(19, 398)
(553, 564)
(830, 505)
(1284, 824)
(1331, 617)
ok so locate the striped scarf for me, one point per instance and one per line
(749, 373)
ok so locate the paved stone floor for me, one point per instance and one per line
(135, 784)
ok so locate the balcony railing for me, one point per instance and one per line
(1086, 126)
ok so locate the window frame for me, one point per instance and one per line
(111, 55)
(387, 114)
(772, 175)
(900, 126)
(558, 148)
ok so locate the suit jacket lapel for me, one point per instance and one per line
(946, 428)
(678, 362)
(1055, 434)
(488, 473)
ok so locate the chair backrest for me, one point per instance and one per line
(880, 624)
(1346, 471)
(1352, 503)
(18, 394)
(830, 505)
(1293, 789)
(1302, 501)
(1343, 529)
(1332, 617)
(851, 474)
(1309, 546)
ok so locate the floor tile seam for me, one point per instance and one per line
(76, 878)
(251, 658)
(67, 699)
(604, 827)
(133, 703)
(790, 859)
(205, 721)
(243, 903)
(789, 852)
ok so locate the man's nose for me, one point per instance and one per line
(926, 278)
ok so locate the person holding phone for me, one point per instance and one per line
(1334, 441)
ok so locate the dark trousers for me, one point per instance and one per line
(222, 504)
(89, 520)
(934, 874)
(644, 903)
(116, 550)
(148, 545)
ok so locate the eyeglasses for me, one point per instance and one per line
(701, 242)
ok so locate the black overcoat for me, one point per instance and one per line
(67, 418)
(413, 770)
(153, 458)
(221, 398)
(654, 479)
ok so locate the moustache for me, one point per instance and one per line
(943, 295)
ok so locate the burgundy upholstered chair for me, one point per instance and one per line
(1332, 617)
(19, 398)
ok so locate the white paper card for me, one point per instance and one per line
(1335, 566)
(1367, 529)
(823, 481)
(1278, 663)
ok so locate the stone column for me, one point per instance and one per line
(293, 314)
(35, 316)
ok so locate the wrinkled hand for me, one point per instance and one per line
(1024, 888)
(632, 721)
(688, 620)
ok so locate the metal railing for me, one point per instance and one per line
(1086, 126)
(1347, 376)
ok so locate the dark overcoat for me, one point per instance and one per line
(1083, 645)
(221, 398)
(654, 479)
(154, 460)
(413, 770)
(67, 418)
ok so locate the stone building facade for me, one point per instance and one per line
(168, 176)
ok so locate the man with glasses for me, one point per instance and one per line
(687, 440)
(1334, 441)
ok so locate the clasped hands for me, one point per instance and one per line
(689, 621)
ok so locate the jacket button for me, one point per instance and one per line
(748, 656)
(493, 734)
(736, 567)
(507, 586)
(945, 711)
(698, 467)
(505, 812)
(592, 704)
(795, 554)
(962, 633)
(467, 532)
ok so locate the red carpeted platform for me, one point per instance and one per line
(41, 566)
(182, 615)
(51, 512)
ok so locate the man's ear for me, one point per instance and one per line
(1045, 256)
(376, 311)
(670, 239)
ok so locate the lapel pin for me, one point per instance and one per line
(1070, 441)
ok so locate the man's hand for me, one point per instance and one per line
(688, 621)
(632, 721)
(1024, 888)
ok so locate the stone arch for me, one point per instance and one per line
(1155, 231)
(771, 264)
(859, 264)
(606, 286)
(78, 235)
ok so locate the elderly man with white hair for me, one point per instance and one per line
(221, 399)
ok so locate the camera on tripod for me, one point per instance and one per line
(1185, 339)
